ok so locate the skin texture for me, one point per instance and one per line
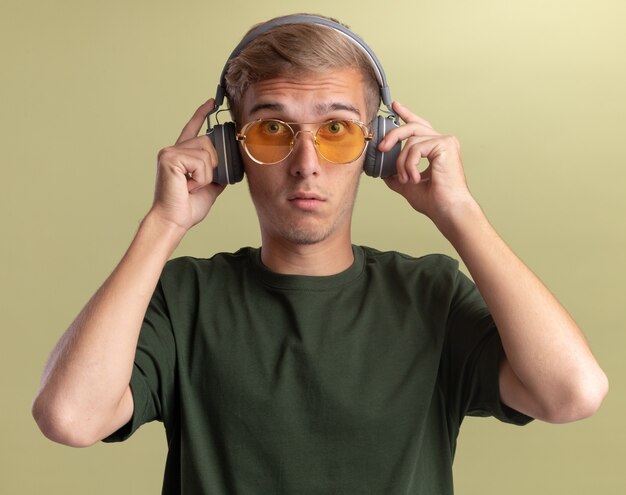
(304, 205)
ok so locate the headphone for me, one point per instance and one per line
(376, 164)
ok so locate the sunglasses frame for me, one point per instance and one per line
(241, 137)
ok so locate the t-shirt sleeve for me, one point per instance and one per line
(472, 357)
(153, 376)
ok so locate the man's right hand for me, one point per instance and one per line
(85, 393)
(184, 192)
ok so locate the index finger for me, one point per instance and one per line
(408, 116)
(192, 128)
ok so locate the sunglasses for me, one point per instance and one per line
(269, 141)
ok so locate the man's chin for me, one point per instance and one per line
(305, 237)
(306, 233)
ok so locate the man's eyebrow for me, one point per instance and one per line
(320, 108)
(276, 107)
(325, 108)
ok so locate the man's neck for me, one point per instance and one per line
(328, 257)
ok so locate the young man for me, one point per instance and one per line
(311, 365)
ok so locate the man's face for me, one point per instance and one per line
(305, 199)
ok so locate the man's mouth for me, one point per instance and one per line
(305, 195)
(307, 201)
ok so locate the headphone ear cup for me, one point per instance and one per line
(378, 163)
(229, 163)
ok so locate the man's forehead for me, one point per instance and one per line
(325, 93)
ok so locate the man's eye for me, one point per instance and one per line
(335, 127)
(273, 127)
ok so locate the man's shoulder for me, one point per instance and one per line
(434, 261)
(185, 266)
(435, 274)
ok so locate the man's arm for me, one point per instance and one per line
(85, 394)
(549, 372)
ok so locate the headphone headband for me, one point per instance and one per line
(230, 165)
(385, 95)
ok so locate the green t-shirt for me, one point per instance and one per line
(286, 384)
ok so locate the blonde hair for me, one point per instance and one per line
(296, 50)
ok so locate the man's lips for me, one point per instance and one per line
(304, 195)
(306, 200)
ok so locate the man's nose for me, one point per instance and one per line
(304, 158)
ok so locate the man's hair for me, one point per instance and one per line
(295, 50)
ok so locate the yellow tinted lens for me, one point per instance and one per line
(340, 141)
(269, 141)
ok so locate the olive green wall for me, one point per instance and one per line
(91, 90)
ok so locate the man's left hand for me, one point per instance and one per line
(441, 187)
